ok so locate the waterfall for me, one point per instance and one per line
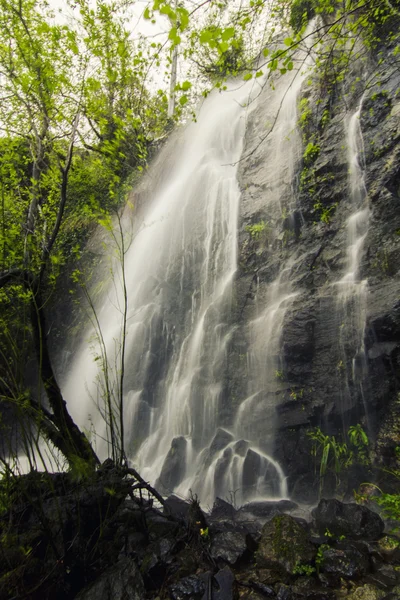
(352, 290)
(180, 268)
(180, 271)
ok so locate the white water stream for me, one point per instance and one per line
(180, 270)
(352, 296)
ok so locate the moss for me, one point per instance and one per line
(284, 544)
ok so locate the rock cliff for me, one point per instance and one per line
(335, 354)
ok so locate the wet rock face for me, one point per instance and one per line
(350, 520)
(337, 361)
(174, 466)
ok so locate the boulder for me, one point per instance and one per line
(159, 526)
(174, 467)
(347, 562)
(188, 588)
(120, 582)
(351, 520)
(220, 440)
(226, 586)
(284, 544)
(176, 507)
(231, 546)
(385, 576)
(222, 510)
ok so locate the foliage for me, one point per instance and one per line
(390, 504)
(258, 231)
(301, 12)
(335, 456)
(301, 569)
(311, 153)
(319, 559)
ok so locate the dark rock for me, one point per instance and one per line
(188, 588)
(222, 510)
(284, 544)
(285, 593)
(231, 546)
(173, 469)
(157, 557)
(159, 526)
(253, 595)
(176, 507)
(259, 579)
(264, 589)
(221, 467)
(251, 472)
(221, 439)
(347, 562)
(226, 586)
(266, 507)
(241, 447)
(294, 592)
(351, 520)
(385, 576)
(120, 582)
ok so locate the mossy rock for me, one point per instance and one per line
(366, 592)
(284, 545)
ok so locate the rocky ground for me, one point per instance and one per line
(103, 537)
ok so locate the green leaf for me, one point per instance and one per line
(121, 49)
(274, 65)
(174, 37)
(167, 10)
(186, 85)
(259, 73)
(183, 16)
(146, 14)
(205, 36)
(288, 41)
(248, 76)
(266, 52)
(183, 100)
(228, 33)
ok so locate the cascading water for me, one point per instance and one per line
(180, 272)
(180, 269)
(352, 296)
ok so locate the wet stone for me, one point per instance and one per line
(265, 508)
(351, 520)
(188, 588)
(225, 584)
(346, 562)
(230, 546)
(120, 582)
(222, 510)
(284, 544)
(174, 466)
